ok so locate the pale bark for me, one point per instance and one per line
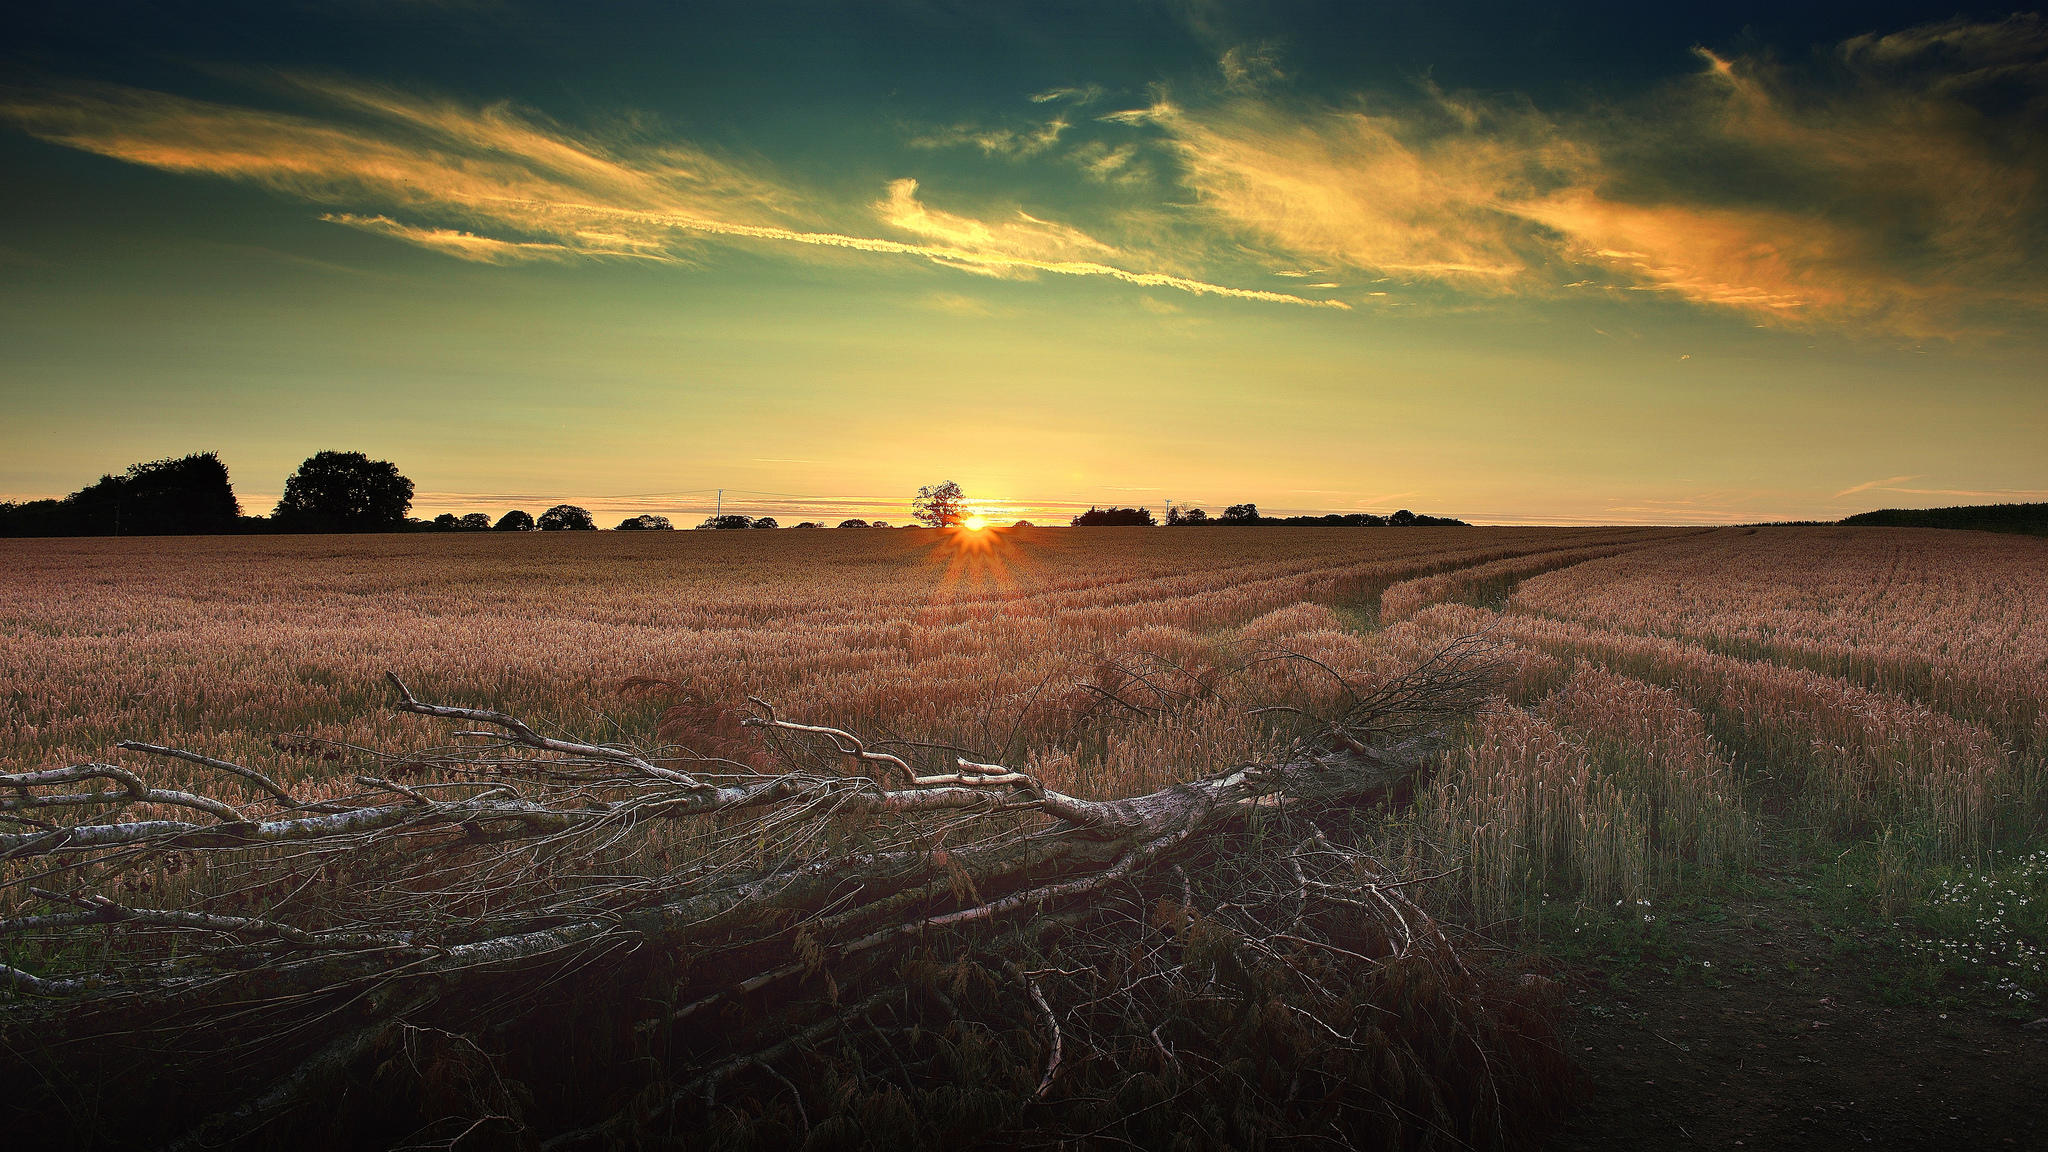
(516, 863)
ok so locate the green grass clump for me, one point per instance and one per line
(1985, 931)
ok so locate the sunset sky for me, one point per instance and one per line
(1506, 261)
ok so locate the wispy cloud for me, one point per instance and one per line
(954, 304)
(1017, 143)
(1247, 67)
(1078, 94)
(493, 184)
(461, 245)
(1101, 161)
(1021, 236)
(1987, 495)
(1896, 184)
(1900, 184)
(1351, 188)
(1868, 485)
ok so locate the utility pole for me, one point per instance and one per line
(719, 509)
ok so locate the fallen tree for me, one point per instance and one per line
(527, 940)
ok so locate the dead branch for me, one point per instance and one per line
(1052, 1024)
(134, 791)
(466, 895)
(845, 742)
(249, 774)
(527, 736)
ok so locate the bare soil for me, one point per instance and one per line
(1763, 1023)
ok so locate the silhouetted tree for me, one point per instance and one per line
(853, 524)
(168, 497)
(176, 496)
(566, 518)
(766, 522)
(939, 505)
(1023, 524)
(475, 522)
(1401, 519)
(879, 524)
(1180, 516)
(728, 521)
(35, 518)
(807, 524)
(2031, 519)
(344, 492)
(1114, 517)
(446, 522)
(649, 522)
(1326, 520)
(1240, 514)
(514, 521)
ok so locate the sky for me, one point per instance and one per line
(1508, 261)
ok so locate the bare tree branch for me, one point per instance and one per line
(459, 895)
(527, 736)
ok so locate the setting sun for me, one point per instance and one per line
(974, 523)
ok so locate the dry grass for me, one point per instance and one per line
(1957, 620)
(1667, 689)
(1483, 585)
(223, 643)
(1609, 789)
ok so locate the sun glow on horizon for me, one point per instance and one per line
(976, 556)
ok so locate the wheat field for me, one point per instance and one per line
(1667, 689)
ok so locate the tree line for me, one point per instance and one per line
(1248, 514)
(945, 505)
(349, 492)
(2030, 519)
(330, 492)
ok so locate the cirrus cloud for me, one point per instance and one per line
(493, 184)
(1898, 184)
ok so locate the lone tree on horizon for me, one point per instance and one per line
(939, 505)
(344, 492)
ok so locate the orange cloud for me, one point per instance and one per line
(1022, 235)
(1901, 188)
(461, 245)
(1889, 196)
(1775, 264)
(491, 184)
(1363, 190)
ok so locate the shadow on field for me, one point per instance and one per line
(1765, 1023)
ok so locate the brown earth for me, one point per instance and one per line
(1762, 1025)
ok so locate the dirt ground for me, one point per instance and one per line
(1762, 1025)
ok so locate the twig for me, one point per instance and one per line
(1052, 1023)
